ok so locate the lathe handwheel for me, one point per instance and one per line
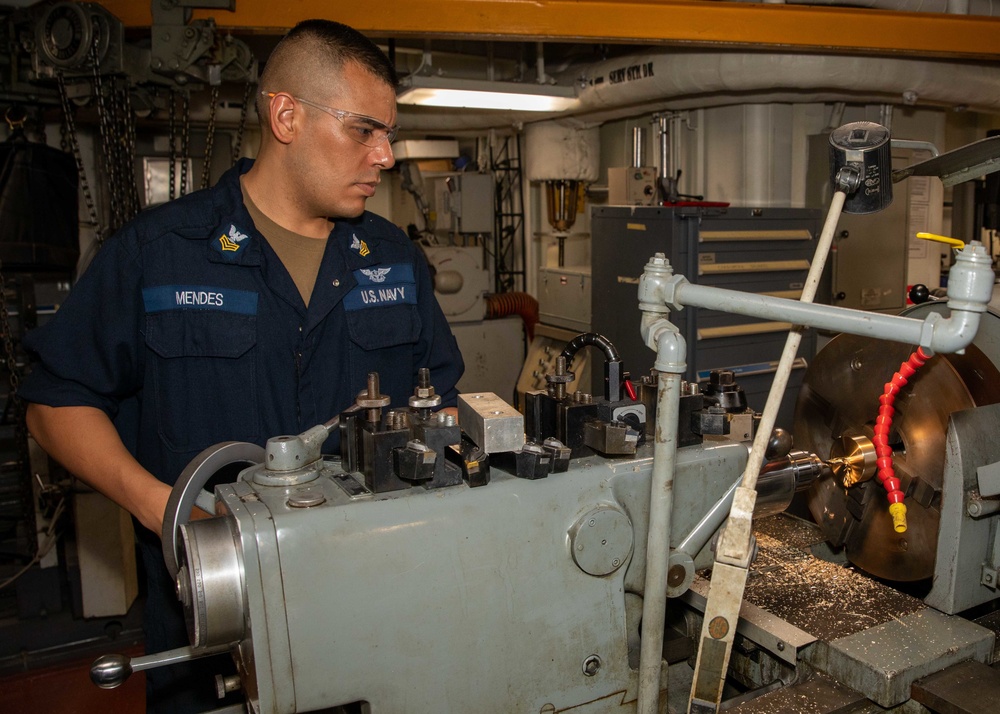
(189, 486)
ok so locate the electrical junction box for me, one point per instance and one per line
(632, 186)
(465, 202)
(564, 297)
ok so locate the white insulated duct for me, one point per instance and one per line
(641, 83)
(561, 149)
(703, 78)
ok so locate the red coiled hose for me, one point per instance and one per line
(883, 427)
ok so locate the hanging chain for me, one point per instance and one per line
(248, 95)
(128, 117)
(119, 152)
(185, 140)
(63, 131)
(111, 167)
(126, 120)
(14, 409)
(71, 142)
(14, 378)
(10, 359)
(172, 154)
(206, 168)
(114, 150)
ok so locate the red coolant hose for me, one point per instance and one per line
(883, 427)
(504, 304)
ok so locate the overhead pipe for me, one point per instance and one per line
(682, 79)
(675, 75)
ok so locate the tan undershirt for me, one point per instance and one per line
(301, 255)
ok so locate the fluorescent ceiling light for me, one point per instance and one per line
(483, 94)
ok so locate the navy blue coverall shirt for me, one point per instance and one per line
(187, 331)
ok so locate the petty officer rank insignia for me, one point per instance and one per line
(231, 242)
(199, 297)
(360, 246)
(381, 286)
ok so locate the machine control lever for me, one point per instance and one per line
(110, 671)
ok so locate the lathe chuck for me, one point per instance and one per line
(839, 398)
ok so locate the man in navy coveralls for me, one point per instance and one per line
(248, 310)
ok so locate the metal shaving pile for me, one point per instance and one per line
(826, 600)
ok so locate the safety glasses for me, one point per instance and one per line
(359, 127)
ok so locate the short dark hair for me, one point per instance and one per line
(345, 44)
(337, 44)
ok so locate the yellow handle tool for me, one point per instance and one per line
(953, 242)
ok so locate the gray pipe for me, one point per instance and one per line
(638, 146)
(671, 351)
(664, 134)
(970, 285)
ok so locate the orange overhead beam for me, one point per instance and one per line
(691, 22)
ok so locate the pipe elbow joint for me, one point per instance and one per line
(952, 334)
(970, 288)
(671, 349)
